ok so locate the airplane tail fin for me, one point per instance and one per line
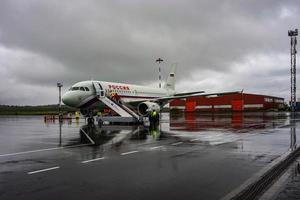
(170, 83)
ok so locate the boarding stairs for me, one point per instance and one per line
(126, 114)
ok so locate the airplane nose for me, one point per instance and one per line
(65, 99)
(68, 100)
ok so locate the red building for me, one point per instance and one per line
(235, 101)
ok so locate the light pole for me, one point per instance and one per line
(159, 60)
(59, 85)
(293, 34)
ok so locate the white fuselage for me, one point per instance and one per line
(84, 94)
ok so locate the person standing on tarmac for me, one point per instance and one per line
(153, 118)
(98, 116)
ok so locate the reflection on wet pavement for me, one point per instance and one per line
(235, 122)
(183, 128)
(216, 151)
(291, 188)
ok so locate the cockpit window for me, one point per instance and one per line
(75, 88)
(79, 88)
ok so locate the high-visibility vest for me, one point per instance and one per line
(154, 113)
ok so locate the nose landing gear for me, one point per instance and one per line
(89, 114)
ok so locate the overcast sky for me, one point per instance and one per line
(226, 45)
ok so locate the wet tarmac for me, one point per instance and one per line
(291, 188)
(190, 156)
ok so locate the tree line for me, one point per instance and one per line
(33, 110)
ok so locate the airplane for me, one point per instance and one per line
(89, 95)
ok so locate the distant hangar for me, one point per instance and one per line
(232, 101)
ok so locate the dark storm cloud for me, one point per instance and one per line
(213, 42)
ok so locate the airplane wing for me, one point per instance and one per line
(177, 95)
(195, 95)
(189, 93)
(165, 100)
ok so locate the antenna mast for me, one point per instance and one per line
(293, 35)
(159, 60)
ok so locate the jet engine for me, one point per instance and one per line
(145, 107)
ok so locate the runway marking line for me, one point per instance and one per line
(152, 148)
(40, 150)
(194, 139)
(177, 143)
(92, 160)
(130, 152)
(43, 170)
